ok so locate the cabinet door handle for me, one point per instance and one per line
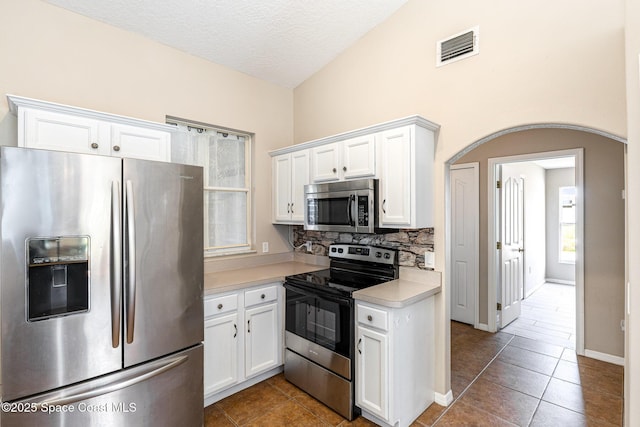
(384, 202)
(94, 145)
(263, 296)
(219, 306)
(369, 318)
(249, 326)
(288, 207)
(359, 341)
(344, 168)
(235, 327)
(116, 148)
(291, 207)
(335, 170)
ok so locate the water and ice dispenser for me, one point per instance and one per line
(57, 276)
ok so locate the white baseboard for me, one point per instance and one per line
(443, 399)
(616, 360)
(482, 327)
(560, 281)
(213, 398)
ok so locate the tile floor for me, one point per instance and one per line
(501, 379)
(548, 315)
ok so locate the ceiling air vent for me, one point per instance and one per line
(458, 46)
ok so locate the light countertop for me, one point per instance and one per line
(230, 280)
(412, 286)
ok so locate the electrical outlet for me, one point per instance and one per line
(430, 259)
(265, 246)
(309, 245)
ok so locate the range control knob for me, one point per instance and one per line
(378, 254)
(387, 256)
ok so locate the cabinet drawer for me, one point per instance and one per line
(373, 317)
(219, 305)
(259, 296)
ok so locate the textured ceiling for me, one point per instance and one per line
(281, 41)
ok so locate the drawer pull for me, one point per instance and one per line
(344, 168)
(369, 318)
(116, 148)
(335, 170)
(94, 145)
(219, 306)
(263, 296)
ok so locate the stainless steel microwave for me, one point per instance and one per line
(348, 206)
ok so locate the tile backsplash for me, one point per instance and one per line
(411, 244)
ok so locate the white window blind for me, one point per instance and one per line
(226, 159)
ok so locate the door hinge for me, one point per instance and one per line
(499, 307)
(498, 184)
(498, 245)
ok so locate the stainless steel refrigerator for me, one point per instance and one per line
(101, 280)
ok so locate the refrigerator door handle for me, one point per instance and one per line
(116, 265)
(88, 392)
(130, 262)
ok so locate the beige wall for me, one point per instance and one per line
(51, 54)
(545, 61)
(603, 224)
(632, 367)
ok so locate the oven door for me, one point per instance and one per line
(325, 320)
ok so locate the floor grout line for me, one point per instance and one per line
(472, 381)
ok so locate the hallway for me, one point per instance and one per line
(548, 315)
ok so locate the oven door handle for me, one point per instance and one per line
(306, 292)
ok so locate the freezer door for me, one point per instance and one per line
(59, 311)
(163, 268)
(167, 392)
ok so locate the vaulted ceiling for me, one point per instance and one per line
(281, 41)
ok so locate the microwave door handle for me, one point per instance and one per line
(350, 206)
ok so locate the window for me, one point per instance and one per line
(225, 156)
(567, 198)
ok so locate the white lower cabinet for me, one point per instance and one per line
(373, 372)
(394, 361)
(261, 340)
(221, 358)
(242, 338)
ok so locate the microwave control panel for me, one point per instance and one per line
(363, 211)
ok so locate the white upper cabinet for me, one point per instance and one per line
(50, 126)
(349, 159)
(359, 157)
(325, 161)
(406, 178)
(290, 175)
(399, 153)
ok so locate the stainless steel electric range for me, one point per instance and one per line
(320, 322)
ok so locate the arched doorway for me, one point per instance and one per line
(604, 223)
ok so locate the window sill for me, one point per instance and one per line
(229, 253)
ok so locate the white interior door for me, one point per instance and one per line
(512, 240)
(464, 182)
